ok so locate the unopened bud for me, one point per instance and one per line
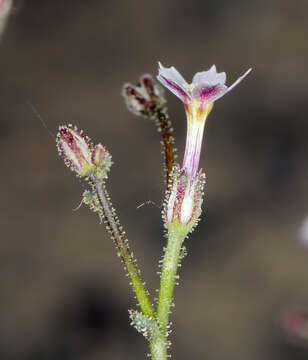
(101, 158)
(76, 149)
(80, 154)
(184, 199)
(144, 98)
(98, 155)
(144, 324)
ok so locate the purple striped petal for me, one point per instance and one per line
(209, 92)
(174, 81)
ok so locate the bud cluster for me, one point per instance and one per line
(144, 98)
(184, 199)
(80, 155)
(145, 325)
(91, 199)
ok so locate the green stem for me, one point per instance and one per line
(167, 282)
(158, 347)
(118, 235)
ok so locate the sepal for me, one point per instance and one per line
(184, 198)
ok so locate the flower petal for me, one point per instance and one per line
(209, 85)
(227, 89)
(173, 81)
(209, 92)
(239, 80)
(210, 77)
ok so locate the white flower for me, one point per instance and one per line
(206, 86)
(198, 98)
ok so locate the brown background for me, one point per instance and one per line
(63, 291)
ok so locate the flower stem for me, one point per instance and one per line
(167, 282)
(158, 347)
(118, 235)
(164, 126)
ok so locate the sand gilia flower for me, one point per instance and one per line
(198, 98)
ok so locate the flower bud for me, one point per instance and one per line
(184, 199)
(144, 98)
(76, 150)
(98, 155)
(101, 158)
(145, 325)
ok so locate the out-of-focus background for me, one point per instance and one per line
(63, 291)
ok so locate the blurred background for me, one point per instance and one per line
(63, 292)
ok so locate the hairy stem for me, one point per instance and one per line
(165, 128)
(118, 235)
(158, 347)
(168, 278)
